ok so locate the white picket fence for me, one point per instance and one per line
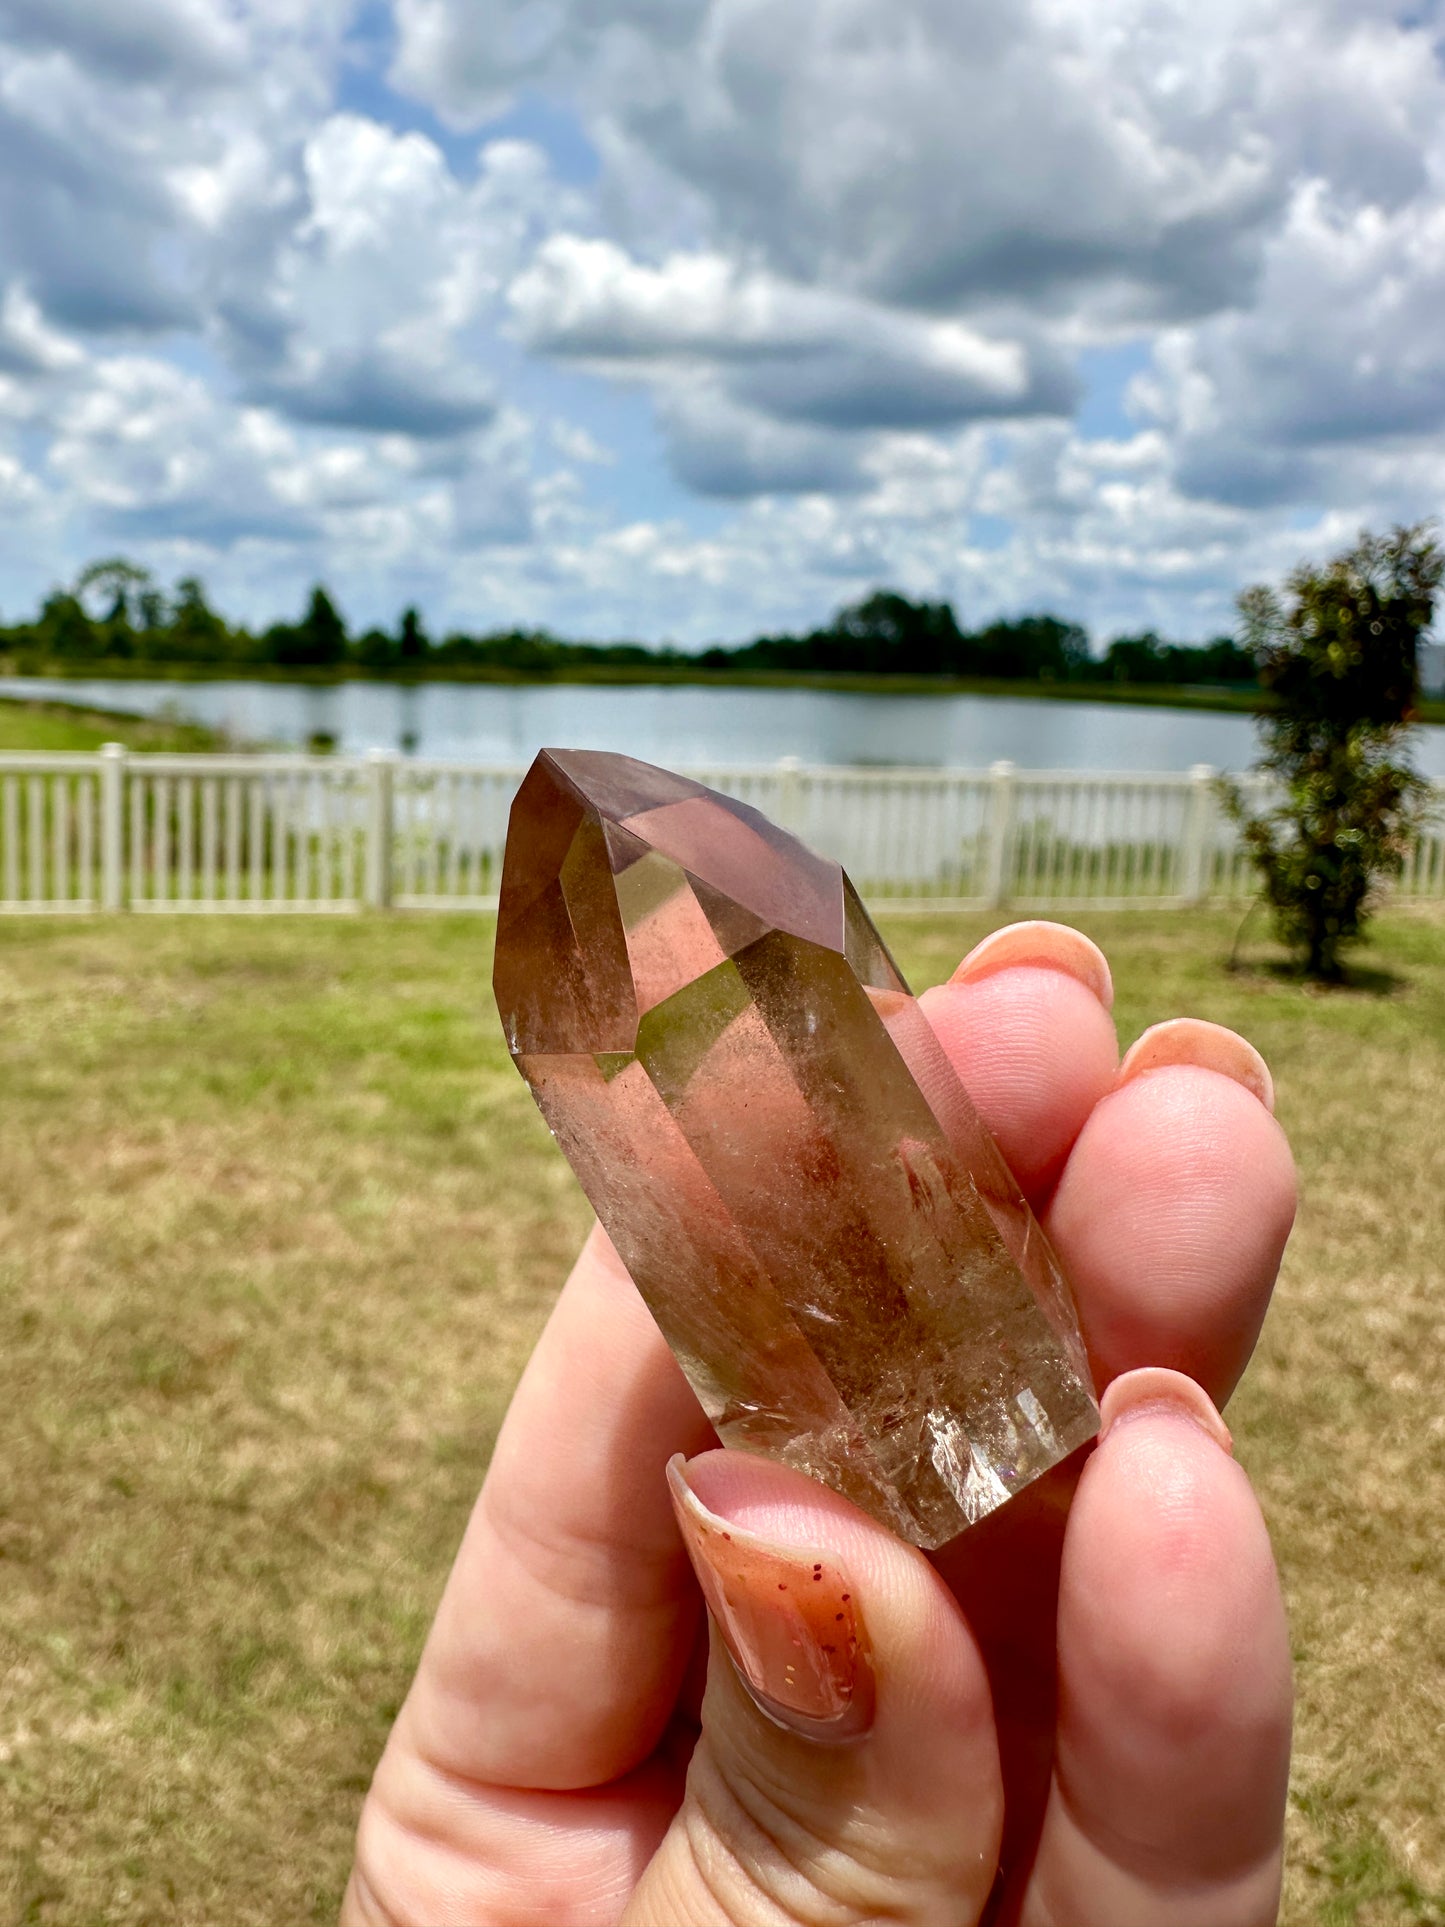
(326, 835)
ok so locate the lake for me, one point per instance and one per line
(686, 725)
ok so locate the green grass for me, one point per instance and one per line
(278, 1225)
(51, 728)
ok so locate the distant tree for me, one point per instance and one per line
(318, 641)
(1222, 659)
(1145, 658)
(1141, 658)
(524, 652)
(1339, 653)
(412, 643)
(882, 634)
(118, 585)
(109, 593)
(115, 610)
(1032, 647)
(893, 633)
(151, 610)
(324, 628)
(64, 629)
(196, 633)
(375, 650)
(632, 653)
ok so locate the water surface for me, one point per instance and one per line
(683, 725)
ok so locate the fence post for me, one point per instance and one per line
(112, 826)
(998, 834)
(1194, 865)
(380, 827)
(790, 793)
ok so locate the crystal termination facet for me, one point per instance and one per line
(770, 1132)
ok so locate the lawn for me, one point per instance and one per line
(278, 1224)
(54, 727)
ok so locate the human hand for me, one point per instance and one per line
(556, 1762)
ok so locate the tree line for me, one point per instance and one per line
(116, 612)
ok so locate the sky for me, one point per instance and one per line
(689, 319)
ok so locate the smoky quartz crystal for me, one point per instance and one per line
(772, 1135)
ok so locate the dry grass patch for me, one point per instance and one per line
(278, 1225)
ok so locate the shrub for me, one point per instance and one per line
(1338, 653)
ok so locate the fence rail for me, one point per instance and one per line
(207, 834)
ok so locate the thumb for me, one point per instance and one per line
(847, 1768)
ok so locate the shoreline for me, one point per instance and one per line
(1219, 699)
(628, 675)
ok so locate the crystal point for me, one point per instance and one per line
(777, 1144)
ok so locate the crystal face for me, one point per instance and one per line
(769, 1130)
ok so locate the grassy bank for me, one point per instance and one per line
(55, 727)
(278, 1225)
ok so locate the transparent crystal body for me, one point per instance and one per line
(769, 1130)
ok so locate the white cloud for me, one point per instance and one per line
(133, 40)
(1119, 160)
(364, 318)
(466, 63)
(1340, 363)
(720, 447)
(813, 327)
(152, 456)
(762, 382)
(803, 198)
(149, 449)
(795, 350)
(126, 181)
(576, 445)
(28, 344)
(923, 152)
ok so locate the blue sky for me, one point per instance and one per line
(689, 318)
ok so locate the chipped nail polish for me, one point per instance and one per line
(788, 1618)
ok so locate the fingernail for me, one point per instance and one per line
(1209, 1047)
(1044, 946)
(787, 1617)
(1151, 1389)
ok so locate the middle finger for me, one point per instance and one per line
(1165, 1184)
